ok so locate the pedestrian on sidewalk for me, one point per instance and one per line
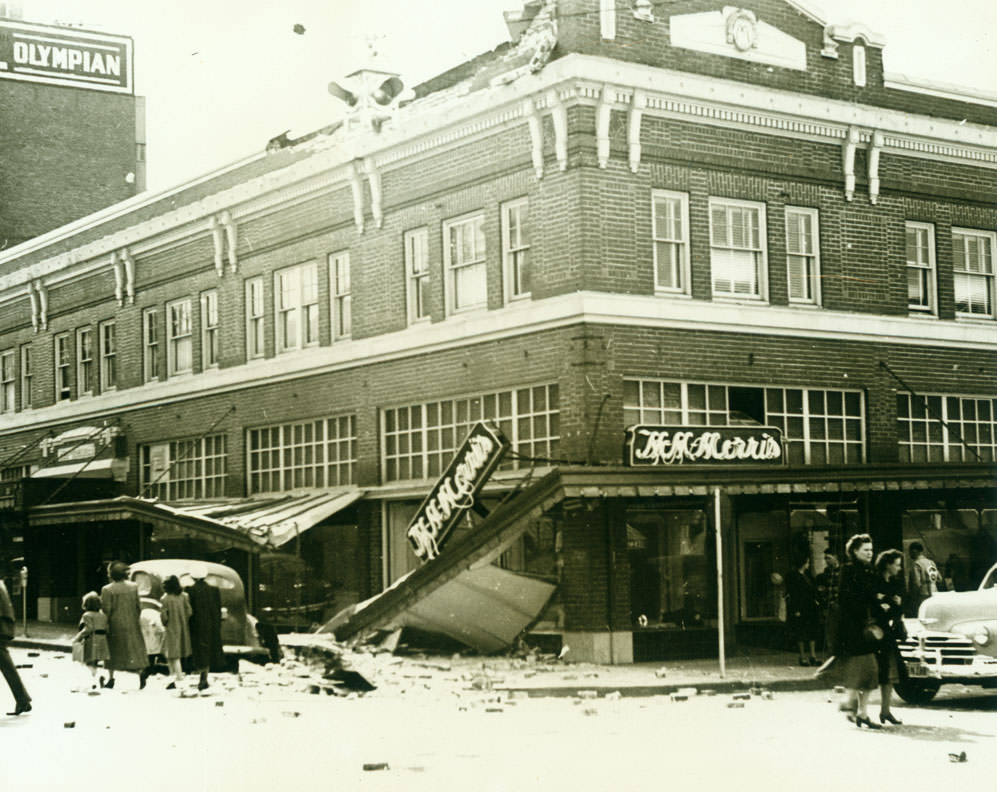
(176, 612)
(92, 637)
(827, 598)
(151, 624)
(120, 602)
(22, 701)
(856, 648)
(923, 578)
(205, 625)
(889, 594)
(802, 614)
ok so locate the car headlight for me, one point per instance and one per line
(981, 635)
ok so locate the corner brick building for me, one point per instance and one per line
(690, 218)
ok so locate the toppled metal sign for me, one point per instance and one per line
(703, 445)
(456, 490)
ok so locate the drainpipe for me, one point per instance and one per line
(610, 576)
(720, 584)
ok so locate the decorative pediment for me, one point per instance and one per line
(738, 33)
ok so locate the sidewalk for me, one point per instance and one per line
(746, 669)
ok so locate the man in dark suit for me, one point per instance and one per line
(205, 625)
(22, 701)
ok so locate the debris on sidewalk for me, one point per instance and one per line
(957, 757)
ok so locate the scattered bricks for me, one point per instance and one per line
(614, 696)
(735, 705)
(741, 696)
(590, 711)
(69, 725)
(839, 689)
(494, 709)
(688, 691)
(24, 665)
(661, 673)
(219, 703)
(707, 692)
(34, 654)
(587, 694)
(755, 691)
(679, 697)
(767, 695)
(291, 714)
(957, 757)
(368, 766)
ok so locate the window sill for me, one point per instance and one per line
(974, 319)
(921, 314)
(672, 294)
(804, 306)
(739, 300)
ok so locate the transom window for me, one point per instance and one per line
(464, 243)
(296, 295)
(671, 241)
(920, 238)
(254, 318)
(973, 266)
(516, 249)
(108, 355)
(310, 454)
(84, 361)
(802, 255)
(417, 273)
(209, 329)
(180, 355)
(737, 248)
(185, 469)
(419, 440)
(342, 297)
(937, 428)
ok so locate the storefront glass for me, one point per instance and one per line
(961, 542)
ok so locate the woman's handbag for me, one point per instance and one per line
(872, 632)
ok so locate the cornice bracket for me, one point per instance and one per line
(218, 236)
(231, 239)
(376, 198)
(33, 299)
(536, 135)
(559, 115)
(129, 262)
(603, 114)
(875, 147)
(42, 293)
(848, 161)
(637, 104)
(119, 278)
(356, 186)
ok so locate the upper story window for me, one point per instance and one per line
(8, 381)
(671, 241)
(185, 469)
(27, 377)
(84, 361)
(312, 454)
(254, 318)
(108, 356)
(946, 428)
(859, 64)
(339, 276)
(516, 249)
(150, 345)
(63, 362)
(802, 255)
(179, 338)
(417, 274)
(209, 329)
(464, 248)
(920, 238)
(296, 301)
(737, 248)
(973, 266)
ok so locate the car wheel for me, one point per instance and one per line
(919, 692)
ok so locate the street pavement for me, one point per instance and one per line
(443, 723)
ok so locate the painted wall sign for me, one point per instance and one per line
(703, 445)
(455, 491)
(65, 56)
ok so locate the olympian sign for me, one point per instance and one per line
(703, 445)
(65, 56)
(454, 493)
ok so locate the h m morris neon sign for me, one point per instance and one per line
(703, 445)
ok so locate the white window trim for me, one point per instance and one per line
(81, 362)
(337, 298)
(299, 343)
(685, 274)
(814, 274)
(62, 370)
(508, 257)
(763, 279)
(26, 375)
(252, 317)
(992, 276)
(150, 352)
(206, 365)
(415, 237)
(449, 270)
(102, 357)
(859, 66)
(932, 308)
(171, 363)
(8, 383)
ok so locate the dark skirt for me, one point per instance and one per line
(859, 672)
(890, 665)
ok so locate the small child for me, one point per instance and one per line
(91, 640)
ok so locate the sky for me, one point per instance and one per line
(222, 77)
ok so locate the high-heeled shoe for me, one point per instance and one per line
(109, 684)
(860, 722)
(21, 708)
(887, 717)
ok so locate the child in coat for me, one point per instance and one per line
(176, 638)
(90, 643)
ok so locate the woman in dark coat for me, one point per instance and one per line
(120, 603)
(889, 615)
(205, 626)
(802, 613)
(856, 605)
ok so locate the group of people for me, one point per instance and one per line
(114, 637)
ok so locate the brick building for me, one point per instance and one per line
(73, 137)
(692, 219)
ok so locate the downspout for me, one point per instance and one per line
(610, 578)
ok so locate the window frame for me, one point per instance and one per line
(812, 267)
(513, 251)
(452, 269)
(8, 380)
(62, 356)
(760, 253)
(341, 295)
(305, 311)
(990, 277)
(415, 243)
(255, 318)
(151, 342)
(173, 341)
(26, 376)
(108, 359)
(210, 330)
(85, 363)
(683, 268)
(929, 272)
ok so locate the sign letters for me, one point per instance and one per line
(703, 445)
(456, 489)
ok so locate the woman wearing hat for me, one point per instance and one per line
(120, 602)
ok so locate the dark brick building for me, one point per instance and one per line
(696, 218)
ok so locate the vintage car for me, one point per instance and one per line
(240, 634)
(953, 639)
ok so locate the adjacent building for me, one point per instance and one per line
(726, 287)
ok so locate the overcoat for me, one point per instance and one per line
(205, 626)
(856, 605)
(93, 626)
(176, 615)
(119, 601)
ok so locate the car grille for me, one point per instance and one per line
(932, 650)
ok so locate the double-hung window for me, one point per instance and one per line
(670, 229)
(108, 355)
(63, 362)
(84, 361)
(802, 255)
(973, 267)
(179, 338)
(8, 381)
(339, 277)
(737, 248)
(209, 329)
(920, 238)
(26, 377)
(254, 318)
(150, 345)
(516, 249)
(464, 250)
(417, 274)
(296, 304)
